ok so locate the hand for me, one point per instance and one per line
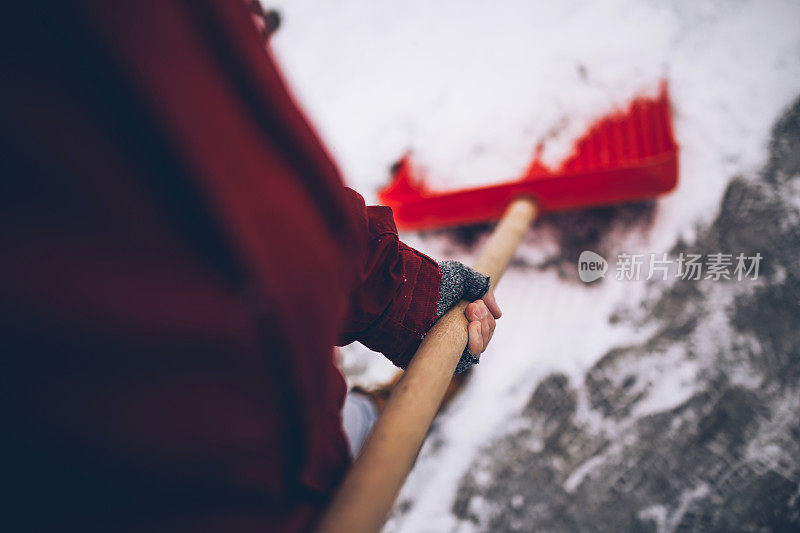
(481, 315)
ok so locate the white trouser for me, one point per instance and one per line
(359, 413)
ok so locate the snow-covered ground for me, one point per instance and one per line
(470, 88)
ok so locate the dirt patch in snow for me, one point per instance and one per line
(720, 449)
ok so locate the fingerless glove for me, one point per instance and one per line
(460, 282)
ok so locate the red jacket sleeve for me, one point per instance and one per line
(393, 303)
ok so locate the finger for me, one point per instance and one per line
(489, 325)
(486, 328)
(475, 343)
(491, 303)
(473, 311)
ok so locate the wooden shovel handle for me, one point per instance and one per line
(368, 491)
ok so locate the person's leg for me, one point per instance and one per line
(359, 413)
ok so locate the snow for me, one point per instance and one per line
(574, 480)
(470, 88)
(658, 513)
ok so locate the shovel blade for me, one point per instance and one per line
(629, 155)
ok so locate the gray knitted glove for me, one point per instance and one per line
(460, 282)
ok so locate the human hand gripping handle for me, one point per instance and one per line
(460, 282)
(366, 494)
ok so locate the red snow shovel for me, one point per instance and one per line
(626, 156)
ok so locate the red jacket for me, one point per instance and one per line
(178, 258)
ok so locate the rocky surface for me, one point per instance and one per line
(725, 453)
